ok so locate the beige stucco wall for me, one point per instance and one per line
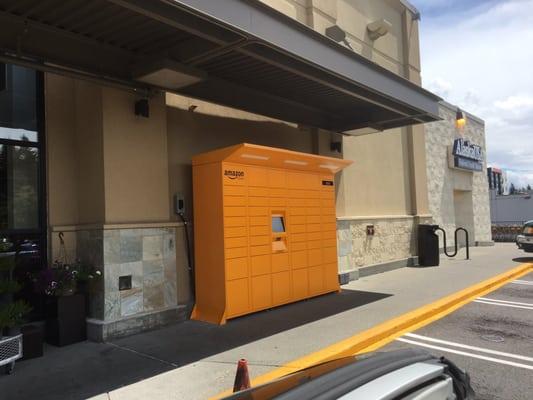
(60, 142)
(297, 9)
(378, 181)
(135, 159)
(74, 158)
(89, 153)
(74, 143)
(191, 133)
(105, 165)
(353, 16)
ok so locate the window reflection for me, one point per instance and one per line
(19, 190)
(17, 134)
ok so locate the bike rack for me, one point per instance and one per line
(455, 240)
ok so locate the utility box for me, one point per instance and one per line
(264, 229)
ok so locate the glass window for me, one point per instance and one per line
(277, 224)
(19, 187)
(18, 99)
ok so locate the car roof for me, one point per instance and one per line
(335, 377)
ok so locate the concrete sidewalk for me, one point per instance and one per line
(194, 360)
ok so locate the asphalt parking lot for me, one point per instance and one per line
(491, 338)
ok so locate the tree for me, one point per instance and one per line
(512, 189)
(528, 187)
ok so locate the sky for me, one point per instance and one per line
(478, 55)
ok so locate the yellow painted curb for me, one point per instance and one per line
(387, 331)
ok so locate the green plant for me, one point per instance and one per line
(7, 263)
(13, 314)
(85, 272)
(63, 278)
(9, 286)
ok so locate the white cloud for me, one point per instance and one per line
(520, 179)
(439, 86)
(481, 60)
(515, 102)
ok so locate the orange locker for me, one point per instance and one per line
(264, 229)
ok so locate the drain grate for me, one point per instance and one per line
(493, 338)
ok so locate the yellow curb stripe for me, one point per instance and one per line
(386, 332)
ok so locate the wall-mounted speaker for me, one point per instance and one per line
(142, 108)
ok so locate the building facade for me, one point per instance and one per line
(112, 145)
(458, 190)
(511, 210)
(497, 180)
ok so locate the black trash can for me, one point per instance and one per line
(428, 246)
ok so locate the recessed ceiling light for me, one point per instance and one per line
(168, 74)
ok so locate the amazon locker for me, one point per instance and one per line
(265, 229)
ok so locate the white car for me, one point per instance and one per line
(524, 240)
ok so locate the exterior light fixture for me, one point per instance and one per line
(337, 34)
(460, 119)
(378, 28)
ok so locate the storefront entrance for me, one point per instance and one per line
(22, 206)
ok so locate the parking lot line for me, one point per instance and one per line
(465, 346)
(528, 283)
(464, 353)
(506, 301)
(502, 304)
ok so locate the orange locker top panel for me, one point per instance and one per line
(252, 154)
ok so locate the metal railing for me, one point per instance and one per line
(455, 242)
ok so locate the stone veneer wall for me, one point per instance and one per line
(394, 240)
(442, 180)
(148, 255)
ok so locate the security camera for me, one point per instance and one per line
(378, 28)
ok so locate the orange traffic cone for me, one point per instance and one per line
(242, 378)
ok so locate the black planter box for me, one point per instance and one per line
(65, 320)
(32, 342)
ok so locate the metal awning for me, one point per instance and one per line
(238, 53)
